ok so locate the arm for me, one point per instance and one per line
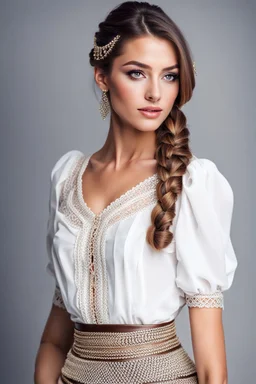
(57, 336)
(206, 262)
(55, 343)
(208, 345)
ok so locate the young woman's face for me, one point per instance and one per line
(147, 81)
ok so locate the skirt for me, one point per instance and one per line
(127, 354)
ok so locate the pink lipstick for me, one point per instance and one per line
(151, 112)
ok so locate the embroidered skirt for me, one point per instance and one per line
(127, 354)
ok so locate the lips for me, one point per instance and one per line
(151, 109)
(150, 112)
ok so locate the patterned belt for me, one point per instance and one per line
(105, 353)
(121, 341)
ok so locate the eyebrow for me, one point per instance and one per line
(142, 65)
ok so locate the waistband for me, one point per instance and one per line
(118, 327)
(123, 341)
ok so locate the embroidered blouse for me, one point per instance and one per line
(105, 271)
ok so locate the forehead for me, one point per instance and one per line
(150, 50)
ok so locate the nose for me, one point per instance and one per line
(153, 92)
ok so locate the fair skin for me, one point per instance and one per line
(55, 342)
(127, 158)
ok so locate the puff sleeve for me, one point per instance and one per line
(58, 174)
(206, 261)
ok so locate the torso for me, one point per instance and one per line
(105, 270)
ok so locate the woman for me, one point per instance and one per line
(141, 227)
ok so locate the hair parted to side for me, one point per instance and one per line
(133, 19)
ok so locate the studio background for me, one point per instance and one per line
(49, 105)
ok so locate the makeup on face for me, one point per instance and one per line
(146, 82)
(175, 75)
(151, 111)
(150, 114)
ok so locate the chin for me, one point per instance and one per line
(147, 127)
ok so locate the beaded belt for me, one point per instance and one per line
(102, 350)
(114, 343)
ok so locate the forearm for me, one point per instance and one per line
(49, 361)
(212, 378)
(209, 345)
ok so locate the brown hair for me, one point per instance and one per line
(132, 19)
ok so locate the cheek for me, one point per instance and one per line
(172, 91)
(170, 96)
(123, 92)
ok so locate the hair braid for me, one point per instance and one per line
(173, 155)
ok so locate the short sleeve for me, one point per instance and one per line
(206, 261)
(58, 175)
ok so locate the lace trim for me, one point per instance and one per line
(57, 298)
(91, 275)
(66, 205)
(211, 300)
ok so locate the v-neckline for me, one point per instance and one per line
(129, 193)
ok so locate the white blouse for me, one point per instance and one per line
(104, 269)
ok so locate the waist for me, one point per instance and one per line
(117, 327)
(123, 341)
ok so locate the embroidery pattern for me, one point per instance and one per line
(89, 251)
(211, 300)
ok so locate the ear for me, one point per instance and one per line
(100, 78)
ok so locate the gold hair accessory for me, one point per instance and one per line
(194, 66)
(104, 105)
(100, 53)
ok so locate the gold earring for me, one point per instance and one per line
(104, 105)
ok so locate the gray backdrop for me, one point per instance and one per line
(49, 106)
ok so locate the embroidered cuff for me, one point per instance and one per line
(57, 298)
(210, 300)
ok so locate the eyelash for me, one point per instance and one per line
(174, 75)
